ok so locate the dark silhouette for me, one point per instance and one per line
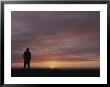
(27, 58)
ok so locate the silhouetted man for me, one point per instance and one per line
(27, 58)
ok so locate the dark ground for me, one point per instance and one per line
(55, 72)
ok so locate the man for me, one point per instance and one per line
(27, 58)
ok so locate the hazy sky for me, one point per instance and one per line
(56, 35)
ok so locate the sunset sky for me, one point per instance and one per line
(66, 39)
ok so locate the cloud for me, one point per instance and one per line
(67, 35)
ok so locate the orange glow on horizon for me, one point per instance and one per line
(58, 64)
(51, 64)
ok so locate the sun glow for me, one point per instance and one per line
(52, 64)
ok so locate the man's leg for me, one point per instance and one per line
(24, 64)
(28, 64)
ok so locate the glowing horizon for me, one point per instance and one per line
(60, 64)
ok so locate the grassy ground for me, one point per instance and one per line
(55, 72)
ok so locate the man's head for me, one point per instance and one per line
(27, 49)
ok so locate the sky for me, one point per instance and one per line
(61, 38)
